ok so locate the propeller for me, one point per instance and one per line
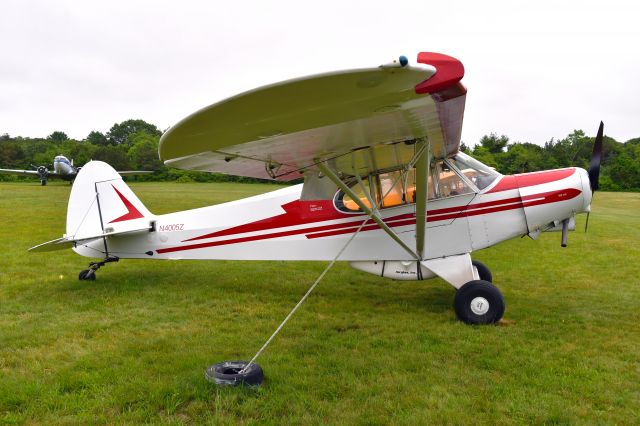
(594, 166)
(43, 172)
(596, 159)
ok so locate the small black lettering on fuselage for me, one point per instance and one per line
(172, 227)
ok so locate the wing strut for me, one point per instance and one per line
(376, 218)
(422, 183)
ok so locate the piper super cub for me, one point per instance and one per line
(385, 186)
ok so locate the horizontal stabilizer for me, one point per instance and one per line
(53, 245)
(66, 242)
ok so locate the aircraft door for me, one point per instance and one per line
(448, 195)
(447, 223)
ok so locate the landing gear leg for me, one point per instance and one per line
(483, 271)
(90, 274)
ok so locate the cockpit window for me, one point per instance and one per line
(449, 182)
(345, 203)
(481, 175)
(394, 188)
(447, 178)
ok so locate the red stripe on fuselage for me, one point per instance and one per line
(394, 221)
(296, 213)
(473, 210)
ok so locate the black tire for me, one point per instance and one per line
(43, 182)
(483, 271)
(228, 373)
(86, 276)
(471, 302)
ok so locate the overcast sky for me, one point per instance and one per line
(534, 70)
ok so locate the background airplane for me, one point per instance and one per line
(62, 169)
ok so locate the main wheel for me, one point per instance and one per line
(479, 302)
(483, 271)
(43, 182)
(87, 274)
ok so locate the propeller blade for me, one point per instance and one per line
(596, 159)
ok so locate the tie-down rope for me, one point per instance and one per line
(329, 266)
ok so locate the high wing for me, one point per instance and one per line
(283, 130)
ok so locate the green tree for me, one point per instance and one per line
(493, 143)
(57, 136)
(144, 151)
(119, 132)
(483, 155)
(116, 156)
(522, 158)
(11, 155)
(97, 138)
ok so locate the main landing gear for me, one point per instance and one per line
(479, 301)
(90, 274)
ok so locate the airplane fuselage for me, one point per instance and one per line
(280, 226)
(63, 168)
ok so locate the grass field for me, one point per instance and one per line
(132, 347)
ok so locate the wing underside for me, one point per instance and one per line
(18, 172)
(360, 121)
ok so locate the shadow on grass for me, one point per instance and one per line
(281, 282)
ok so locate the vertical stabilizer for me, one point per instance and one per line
(101, 202)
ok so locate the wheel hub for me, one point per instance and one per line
(479, 305)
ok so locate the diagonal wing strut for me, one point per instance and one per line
(421, 162)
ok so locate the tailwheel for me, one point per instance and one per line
(90, 274)
(87, 275)
(479, 302)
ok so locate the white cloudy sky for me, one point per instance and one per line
(534, 70)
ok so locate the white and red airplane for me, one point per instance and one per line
(385, 186)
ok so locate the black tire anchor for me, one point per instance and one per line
(90, 274)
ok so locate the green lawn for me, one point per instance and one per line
(132, 347)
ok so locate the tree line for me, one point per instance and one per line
(133, 145)
(130, 145)
(620, 169)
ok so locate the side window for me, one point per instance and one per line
(345, 203)
(411, 187)
(449, 183)
(398, 187)
(390, 185)
(392, 189)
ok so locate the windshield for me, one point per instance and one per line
(478, 173)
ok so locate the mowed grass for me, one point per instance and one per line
(132, 347)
